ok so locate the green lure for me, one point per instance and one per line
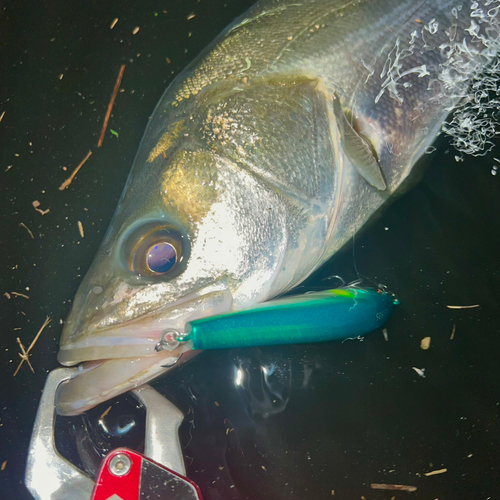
(313, 317)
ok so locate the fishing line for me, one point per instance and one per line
(361, 277)
(354, 255)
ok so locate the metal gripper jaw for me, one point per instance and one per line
(124, 474)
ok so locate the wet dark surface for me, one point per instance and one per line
(305, 420)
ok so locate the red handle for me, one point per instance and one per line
(126, 475)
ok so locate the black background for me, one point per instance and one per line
(336, 416)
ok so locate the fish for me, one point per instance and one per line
(262, 159)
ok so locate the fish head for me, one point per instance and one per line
(193, 236)
(221, 211)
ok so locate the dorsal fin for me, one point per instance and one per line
(358, 149)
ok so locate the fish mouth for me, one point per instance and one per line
(123, 357)
(97, 381)
(139, 336)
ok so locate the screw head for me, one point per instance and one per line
(120, 464)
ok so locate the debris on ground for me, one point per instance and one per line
(24, 357)
(420, 371)
(22, 224)
(112, 101)
(425, 343)
(36, 204)
(105, 412)
(25, 352)
(435, 472)
(359, 337)
(393, 487)
(453, 330)
(69, 180)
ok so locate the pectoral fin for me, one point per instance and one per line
(358, 149)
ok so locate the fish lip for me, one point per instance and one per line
(142, 333)
(81, 392)
(136, 319)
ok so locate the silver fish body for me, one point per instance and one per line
(247, 178)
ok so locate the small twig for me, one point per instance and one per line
(434, 472)
(69, 180)
(110, 105)
(463, 307)
(394, 487)
(25, 353)
(45, 323)
(22, 224)
(105, 412)
(452, 336)
(19, 295)
(80, 228)
(1, 116)
(23, 356)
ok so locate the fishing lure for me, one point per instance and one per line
(313, 317)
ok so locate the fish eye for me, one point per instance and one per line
(161, 257)
(154, 250)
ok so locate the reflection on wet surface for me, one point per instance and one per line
(86, 439)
